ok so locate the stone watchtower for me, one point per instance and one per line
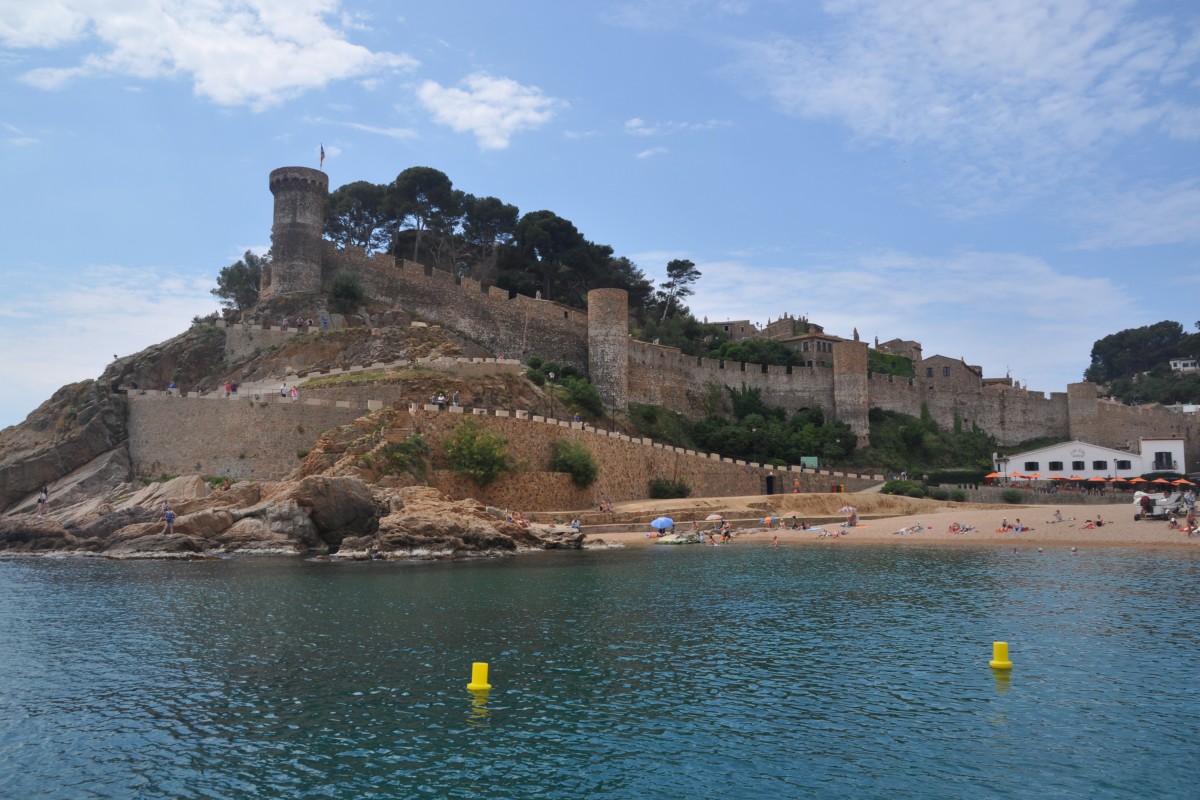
(300, 195)
(851, 399)
(608, 345)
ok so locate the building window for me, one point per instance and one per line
(1031, 466)
(929, 372)
(805, 346)
(1077, 465)
(1056, 466)
(945, 372)
(1100, 465)
(1122, 464)
(1163, 460)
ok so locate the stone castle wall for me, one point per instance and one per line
(628, 464)
(235, 437)
(516, 327)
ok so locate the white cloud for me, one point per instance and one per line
(639, 127)
(70, 333)
(653, 151)
(1145, 216)
(491, 108)
(998, 310)
(237, 52)
(391, 133)
(1014, 93)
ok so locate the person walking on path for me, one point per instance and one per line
(283, 389)
(43, 496)
(295, 393)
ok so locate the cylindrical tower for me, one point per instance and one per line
(300, 194)
(608, 345)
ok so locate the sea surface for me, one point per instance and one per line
(658, 672)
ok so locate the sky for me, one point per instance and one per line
(1005, 182)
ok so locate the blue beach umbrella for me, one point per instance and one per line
(662, 523)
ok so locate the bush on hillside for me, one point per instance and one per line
(1011, 495)
(903, 489)
(576, 460)
(661, 489)
(478, 454)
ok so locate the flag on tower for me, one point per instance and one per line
(322, 154)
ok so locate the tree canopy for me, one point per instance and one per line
(238, 284)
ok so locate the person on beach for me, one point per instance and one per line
(1057, 516)
(775, 540)
(43, 496)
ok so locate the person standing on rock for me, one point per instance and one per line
(168, 518)
(283, 389)
(43, 496)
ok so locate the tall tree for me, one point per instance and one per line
(238, 284)
(488, 224)
(357, 216)
(681, 274)
(1134, 350)
(548, 241)
(418, 196)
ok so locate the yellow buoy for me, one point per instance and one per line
(999, 656)
(479, 675)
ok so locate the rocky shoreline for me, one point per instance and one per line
(339, 517)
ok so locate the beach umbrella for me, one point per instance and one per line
(1138, 479)
(1016, 476)
(1181, 482)
(713, 517)
(1160, 480)
(992, 476)
(1096, 479)
(847, 510)
(662, 523)
(1034, 476)
(1074, 478)
(1057, 478)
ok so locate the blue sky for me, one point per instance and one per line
(1005, 182)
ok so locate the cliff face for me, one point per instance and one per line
(80, 422)
(83, 421)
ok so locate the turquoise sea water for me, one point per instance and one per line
(658, 672)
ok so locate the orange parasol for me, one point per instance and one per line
(992, 476)
(1138, 479)
(1160, 480)
(1096, 479)
(1057, 478)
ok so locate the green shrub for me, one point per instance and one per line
(916, 491)
(345, 293)
(534, 362)
(958, 495)
(478, 454)
(576, 460)
(661, 488)
(409, 456)
(903, 488)
(583, 395)
(1011, 495)
(301, 454)
(939, 494)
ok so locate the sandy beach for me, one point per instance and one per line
(1119, 529)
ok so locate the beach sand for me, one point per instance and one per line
(1119, 529)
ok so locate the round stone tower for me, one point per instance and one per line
(608, 345)
(300, 194)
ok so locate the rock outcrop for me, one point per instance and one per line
(337, 516)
